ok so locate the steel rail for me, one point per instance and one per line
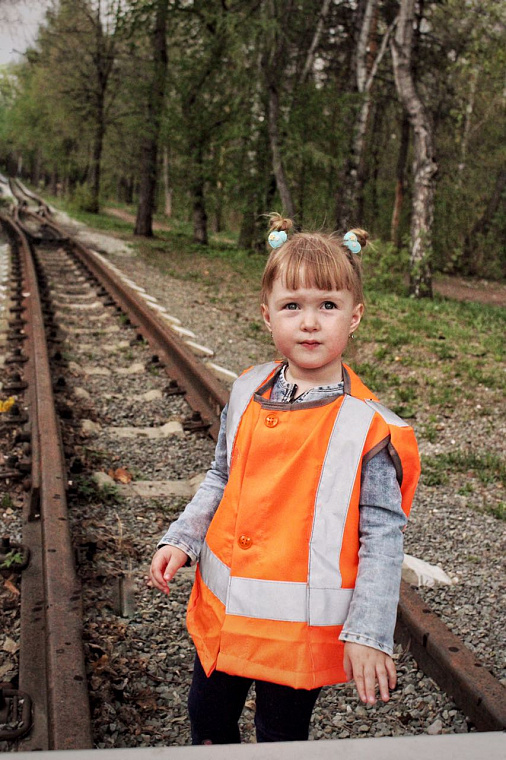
(52, 665)
(439, 652)
(450, 663)
(204, 393)
(19, 190)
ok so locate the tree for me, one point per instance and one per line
(79, 41)
(424, 165)
(151, 131)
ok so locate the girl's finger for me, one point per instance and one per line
(370, 684)
(383, 682)
(392, 673)
(347, 666)
(360, 684)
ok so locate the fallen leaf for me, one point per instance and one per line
(10, 646)
(7, 404)
(8, 584)
(120, 475)
(100, 664)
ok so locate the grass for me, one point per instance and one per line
(89, 491)
(6, 501)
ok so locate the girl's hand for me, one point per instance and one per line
(366, 666)
(164, 565)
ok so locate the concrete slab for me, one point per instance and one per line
(491, 746)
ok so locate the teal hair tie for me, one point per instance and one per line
(277, 238)
(351, 242)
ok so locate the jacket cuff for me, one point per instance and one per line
(359, 638)
(184, 548)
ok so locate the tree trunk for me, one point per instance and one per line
(198, 195)
(166, 183)
(156, 96)
(473, 84)
(401, 181)
(277, 163)
(308, 65)
(424, 165)
(96, 162)
(353, 177)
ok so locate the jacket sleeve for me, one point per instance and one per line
(373, 610)
(189, 530)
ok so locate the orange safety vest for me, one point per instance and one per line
(278, 566)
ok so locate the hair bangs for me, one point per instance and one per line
(313, 261)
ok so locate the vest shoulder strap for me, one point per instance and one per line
(390, 417)
(242, 390)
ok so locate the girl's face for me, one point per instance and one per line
(310, 327)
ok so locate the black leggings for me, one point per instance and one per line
(215, 705)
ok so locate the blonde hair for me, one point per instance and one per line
(314, 259)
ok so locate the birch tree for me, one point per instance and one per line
(351, 185)
(424, 164)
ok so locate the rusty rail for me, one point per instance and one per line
(52, 666)
(446, 659)
(203, 391)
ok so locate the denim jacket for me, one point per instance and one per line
(373, 610)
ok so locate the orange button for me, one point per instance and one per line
(244, 542)
(271, 420)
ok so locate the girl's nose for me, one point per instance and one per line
(309, 320)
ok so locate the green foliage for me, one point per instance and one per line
(88, 490)
(11, 559)
(224, 61)
(82, 198)
(6, 502)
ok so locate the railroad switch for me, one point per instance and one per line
(15, 713)
(195, 423)
(14, 557)
(173, 389)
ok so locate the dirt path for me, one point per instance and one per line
(459, 288)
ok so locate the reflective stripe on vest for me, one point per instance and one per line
(242, 391)
(321, 601)
(271, 600)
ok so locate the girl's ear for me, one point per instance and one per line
(266, 316)
(356, 316)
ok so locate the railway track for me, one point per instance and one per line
(83, 302)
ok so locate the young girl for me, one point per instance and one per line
(297, 527)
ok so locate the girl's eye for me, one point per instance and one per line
(329, 305)
(291, 306)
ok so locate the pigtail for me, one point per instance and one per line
(278, 223)
(362, 236)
